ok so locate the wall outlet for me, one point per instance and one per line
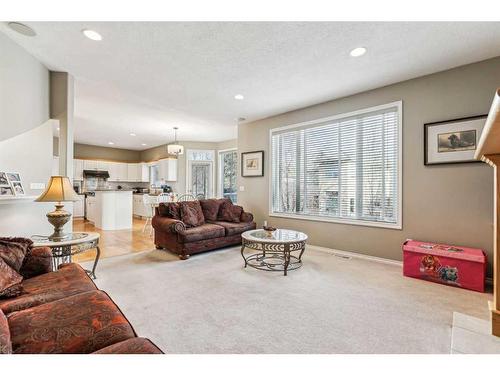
(37, 186)
(242, 188)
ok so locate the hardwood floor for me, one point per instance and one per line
(115, 242)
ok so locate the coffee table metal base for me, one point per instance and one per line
(273, 256)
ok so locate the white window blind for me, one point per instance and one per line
(345, 168)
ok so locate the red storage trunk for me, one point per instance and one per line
(457, 266)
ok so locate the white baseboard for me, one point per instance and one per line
(489, 280)
(356, 255)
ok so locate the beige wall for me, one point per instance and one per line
(82, 151)
(24, 90)
(447, 203)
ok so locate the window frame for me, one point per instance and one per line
(220, 189)
(399, 222)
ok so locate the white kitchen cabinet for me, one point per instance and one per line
(121, 171)
(167, 169)
(144, 172)
(78, 207)
(139, 207)
(102, 165)
(133, 172)
(91, 208)
(77, 169)
(55, 166)
(90, 165)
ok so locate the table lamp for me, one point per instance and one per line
(58, 190)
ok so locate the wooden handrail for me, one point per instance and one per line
(489, 143)
(488, 150)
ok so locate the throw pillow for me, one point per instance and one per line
(231, 212)
(210, 208)
(170, 210)
(192, 214)
(10, 281)
(223, 202)
(5, 343)
(13, 250)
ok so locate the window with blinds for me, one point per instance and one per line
(344, 168)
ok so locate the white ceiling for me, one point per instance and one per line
(146, 77)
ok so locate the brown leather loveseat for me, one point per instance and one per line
(186, 228)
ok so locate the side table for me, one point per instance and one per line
(75, 243)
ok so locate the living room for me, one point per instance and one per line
(309, 186)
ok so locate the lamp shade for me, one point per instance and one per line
(59, 189)
(175, 148)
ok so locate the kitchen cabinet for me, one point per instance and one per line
(91, 208)
(144, 172)
(133, 172)
(139, 208)
(90, 165)
(167, 169)
(77, 170)
(78, 207)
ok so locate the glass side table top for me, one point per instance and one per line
(277, 236)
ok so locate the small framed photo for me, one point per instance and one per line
(6, 191)
(15, 183)
(252, 164)
(3, 179)
(452, 141)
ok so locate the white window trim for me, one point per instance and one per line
(219, 169)
(399, 223)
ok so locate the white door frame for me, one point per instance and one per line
(188, 170)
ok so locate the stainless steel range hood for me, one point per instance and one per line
(95, 174)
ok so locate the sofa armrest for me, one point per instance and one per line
(37, 261)
(166, 224)
(246, 217)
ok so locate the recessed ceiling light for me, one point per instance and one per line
(111, 143)
(143, 144)
(91, 34)
(356, 52)
(133, 134)
(21, 28)
(58, 129)
(239, 97)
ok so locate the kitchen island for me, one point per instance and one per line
(110, 209)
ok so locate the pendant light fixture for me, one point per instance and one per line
(175, 148)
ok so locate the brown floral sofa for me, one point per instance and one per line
(44, 312)
(186, 228)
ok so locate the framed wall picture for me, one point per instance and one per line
(452, 141)
(15, 183)
(252, 164)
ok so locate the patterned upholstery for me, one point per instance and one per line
(211, 208)
(5, 344)
(37, 261)
(191, 213)
(138, 345)
(69, 280)
(174, 235)
(13, 250)
(10, 281)
(202, 232)
(230, 212)
(83, 323)
(234, 228)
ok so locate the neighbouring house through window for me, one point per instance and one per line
(345, 168)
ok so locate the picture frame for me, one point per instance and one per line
(252, 164)
(15, 183)
(452, 141)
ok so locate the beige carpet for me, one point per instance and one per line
(210, 304)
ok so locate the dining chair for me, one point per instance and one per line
(186, 197)
(150, 201)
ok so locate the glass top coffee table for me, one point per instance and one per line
(273, 249)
